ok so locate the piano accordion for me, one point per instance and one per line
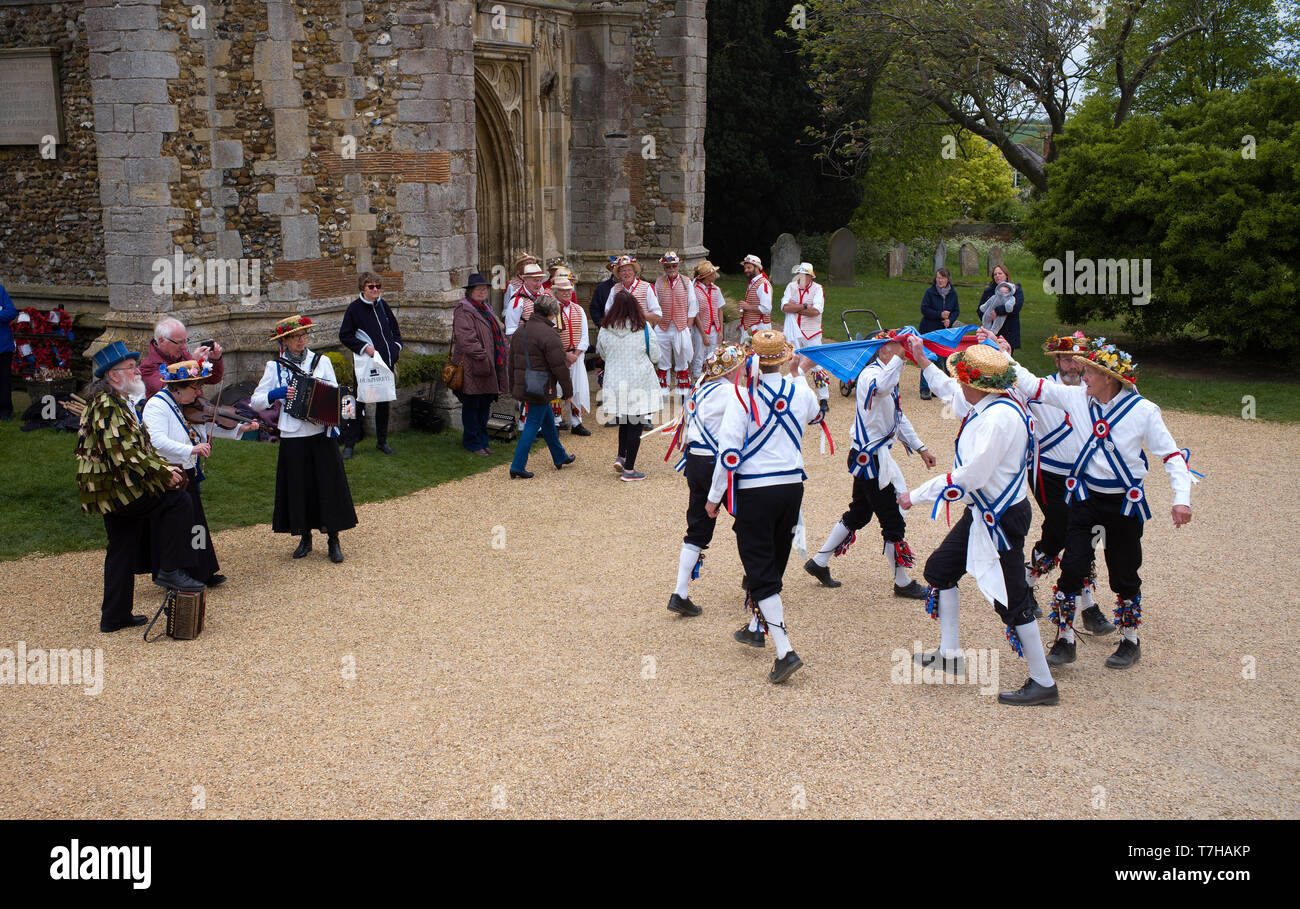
(313, 399)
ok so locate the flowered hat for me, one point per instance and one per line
(772, 347)
(185, 371)
(804, 268)
(752, 259)
(725, 359)
(705, 268)
(670, 258)
(290, 326)
(1076, 343)
(1111, 360)
(609, 266)
(626, 260)
(983, 368)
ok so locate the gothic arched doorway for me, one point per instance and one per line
(502, 214)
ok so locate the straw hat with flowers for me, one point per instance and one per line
(1076, 343)
(1111, 360)
(290, 326)
(983, 368)
(725, 360)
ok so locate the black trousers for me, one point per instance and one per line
(1121, 536)
(764, 526)
(699, 477)
(162, 525)
(629, 441)
(6, 389)
(947, 564)
(868, 500)
(1050, 495)
(381, 420)
(202, 562)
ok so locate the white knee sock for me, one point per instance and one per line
(1067, 634)
(900, 573)
(774, 615)
(753, 622)
(1085, 598)
(948, 600)
(1129, 634)
(685, 565)
(1035, 656)
(839, 533)
(824, 394)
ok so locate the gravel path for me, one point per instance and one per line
(546, 678)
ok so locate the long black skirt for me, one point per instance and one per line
(311, 488)
(203, 563)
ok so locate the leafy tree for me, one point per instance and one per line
(1209, 192)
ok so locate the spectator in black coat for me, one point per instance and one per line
(369, 313)
(939, 309)
(600, 297)
(1010, 328)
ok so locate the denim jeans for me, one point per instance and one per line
(539, 419)
(474, 413)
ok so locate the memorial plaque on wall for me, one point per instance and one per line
(29, 96)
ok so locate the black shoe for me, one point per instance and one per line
(134, 621)
(1095, 623)
(1062, 652)
(216, 580)
(925, 396)
(913, 591)
(386, 448)
(1125, 655)
(752, 638)
(951, 665)
(520, 474)
(580, 430)
(304, 546)
(785, 667)
(177, 579)
(347, 452)
(336, 551)
(821, 573)
(683, 606)
(826, 407)
(1031, 693)
(569, 460)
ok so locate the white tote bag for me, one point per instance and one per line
(375, 381)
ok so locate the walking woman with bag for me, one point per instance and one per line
(537, 364)
(479, 344)
(631, 391)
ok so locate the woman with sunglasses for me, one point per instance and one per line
(371, 315)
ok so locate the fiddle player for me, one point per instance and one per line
(183, 443)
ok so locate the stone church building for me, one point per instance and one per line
(291, 145)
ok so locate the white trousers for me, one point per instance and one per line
(675, 348)
(703, 347)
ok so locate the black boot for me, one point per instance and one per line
(751, 638)
(134, 621)
(785, 667)
(821, 573)
(336, 551)
(1062, 652)
(304, 546)
(1095, 623)
(1031, 693)
(1125, 655)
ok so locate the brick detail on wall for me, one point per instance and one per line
(329, 279)
(416, 167)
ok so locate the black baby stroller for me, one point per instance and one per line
(847, 388)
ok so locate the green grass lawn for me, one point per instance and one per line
(1173, 375)
(40, 512)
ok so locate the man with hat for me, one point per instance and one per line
(877, 480)
(994, 445)
(517, 277)
(183, 444)
(760, 470)
(311, 487)
(698, 429)
(707, 331)
(519, 305)
(170, 345)
(675, 295)
(756, 307)
(600, 296)
(369, 327)
(573, 333)
(628, 270)
(1104, 487)
(1058, 446)
(803, 303)
(121, 476)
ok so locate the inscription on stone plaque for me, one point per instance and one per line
(29, 96)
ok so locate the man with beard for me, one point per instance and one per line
(756, 307)
(120, 475)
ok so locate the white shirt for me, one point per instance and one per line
(878, 419)
(705, 409)
(163, 419)
(277, 375)
(946, 389)
(1141, 426)
(809, 326)
(1054, 429)
(651, 299)
(763, 290)
(514, 308)
(773, 454)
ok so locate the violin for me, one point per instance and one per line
(204, 411)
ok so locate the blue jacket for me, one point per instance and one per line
(8, 312)
(932, 306)
(377, 321)
(1011, 327)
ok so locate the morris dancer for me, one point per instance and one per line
(574, 336)
(677, 298)
(519, 305)
(877, 480)
(756, 307)
(706, 334)
(1058, 446)
(1105, 488)
(628, 270)
(698, 431)
(760, 469)
(311, 487)
(994, 446)
(122, 477)
(517, 278)
(803, 303)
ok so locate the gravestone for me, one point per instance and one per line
(897, 260)
(940, 255)
(970, 260)
(785, 259)
(843, 254)
(995, 258)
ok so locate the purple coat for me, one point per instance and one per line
(472, 337)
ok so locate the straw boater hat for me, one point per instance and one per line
(752, 259)
(1111, 360)
(562, 282)
(803, 268)
(771, 347)
(185, 371)
(725, 359)
(1076, 343)
(290, 326)
(670, 258)
(532, 269)
(523, 259)
(983, 368)
(626, 260)
(705, 268)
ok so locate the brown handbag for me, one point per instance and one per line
(453, 374)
